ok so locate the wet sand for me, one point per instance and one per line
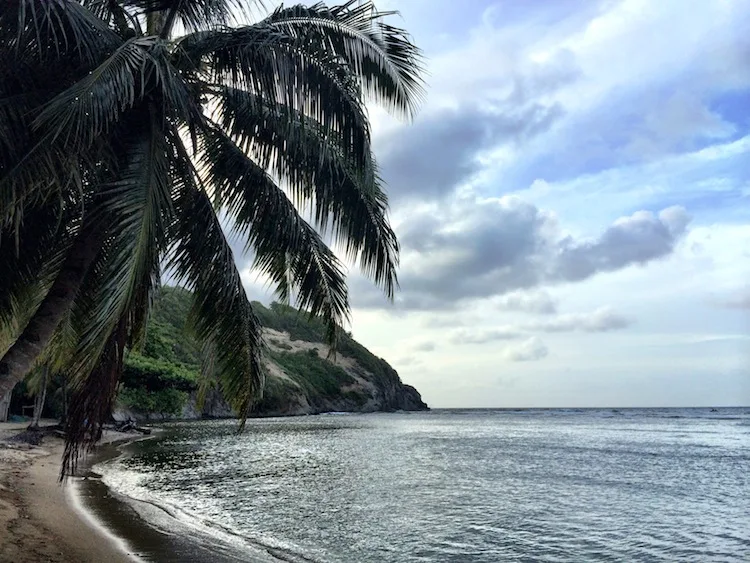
(39, 521)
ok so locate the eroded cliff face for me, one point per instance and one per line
(303, 379)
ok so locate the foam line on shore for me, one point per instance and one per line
(73, 497)
(154, 529)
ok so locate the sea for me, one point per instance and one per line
(440, 486)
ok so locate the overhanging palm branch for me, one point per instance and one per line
(274, 66)
(385, 63)
(287, 249)
(222, 317)
(321, 170)
(53, 30)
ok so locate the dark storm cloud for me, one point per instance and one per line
(480, 250)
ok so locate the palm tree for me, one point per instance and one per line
(126, 150)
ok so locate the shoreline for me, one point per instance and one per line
(44, 520)
(84, 520)
(155, 532)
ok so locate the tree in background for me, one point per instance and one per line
(122, 142)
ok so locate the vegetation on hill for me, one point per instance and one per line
(301, 327)
(160, 377)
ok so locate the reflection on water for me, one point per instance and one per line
(476, 485)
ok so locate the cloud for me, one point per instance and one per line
(637, 239)
(603, 319)
(482, 336)
(424, 347)
(531, 349)
(740, 300)
(538, 302)
(473, 110)
(678, 123)
(440, 151)
(642, 93)
(444, 322)
(407, 361)
(476, 249)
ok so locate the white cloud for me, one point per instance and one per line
(535, 301)
(603, 319)
(424, 347)
(529, 350)
(482, 336)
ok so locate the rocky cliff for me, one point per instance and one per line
(160, 383)
(302, 380)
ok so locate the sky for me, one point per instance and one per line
(573, 206)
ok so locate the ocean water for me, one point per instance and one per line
(447, 486)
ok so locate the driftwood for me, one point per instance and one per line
(130, 426)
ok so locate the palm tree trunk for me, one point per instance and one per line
(155, 22)
(4, 406)
(19, 359)
(41, 396)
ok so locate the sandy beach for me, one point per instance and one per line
(39, 521)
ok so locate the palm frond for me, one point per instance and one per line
(91, 106)
(286, 247)
(276, 67)
(31, 253)
(117, 14)
(53, 29)
(91, 401)
(222, 317)
(137, 209)
(62, 346)
(114, 302)
(34, 172)
(386, 62)
(192, 14)
(15, 109)
(319, 168)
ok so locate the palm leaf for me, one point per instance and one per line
(137, 209)
(91, 401)
(286, 247)
(30, 255)
(222, 317)
(53, 29)
(387, 64)
(319, 167)
(281, 69)
(192, 14)
(116, 14)
(94, 104)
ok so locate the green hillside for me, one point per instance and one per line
(163, 376)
